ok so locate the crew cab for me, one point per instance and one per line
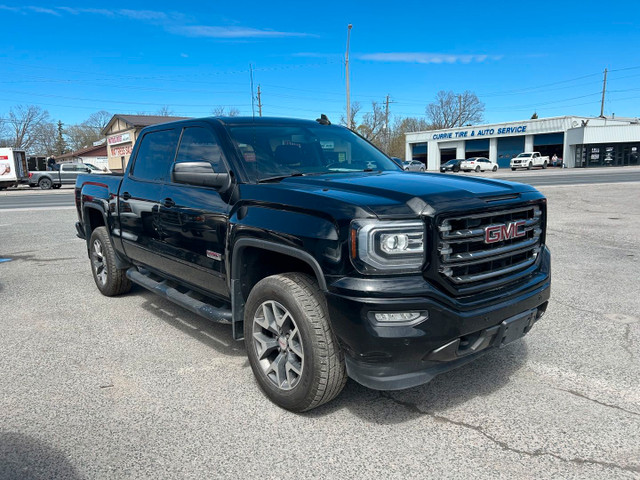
(62, 174)
(529, 160)
(324, 257)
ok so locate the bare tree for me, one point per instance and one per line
(222, 111)
(455, 110)
(373, 125)
(402, 126)
(22, 124)
(355, 109)
(45, 139)
(165, 111)
(97, 121)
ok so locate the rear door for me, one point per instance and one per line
(193, 219)
(139, 197)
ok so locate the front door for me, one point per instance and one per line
(193, 219)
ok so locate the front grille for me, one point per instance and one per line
(465, 258)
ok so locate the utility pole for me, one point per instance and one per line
(387, 133)
(459, 110)
(253, 98)
(604, 89)
(346, 62)
(259, 103)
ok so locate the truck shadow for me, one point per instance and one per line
(26, 458)
(215, 335)
(482, 377)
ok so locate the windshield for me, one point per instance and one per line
(271, 151)
(521, 155)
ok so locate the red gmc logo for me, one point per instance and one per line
(499, 233)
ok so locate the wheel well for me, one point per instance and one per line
(93, 219)
(259, 263)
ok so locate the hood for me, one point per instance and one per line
(403, 194)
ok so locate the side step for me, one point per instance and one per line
(206, 310)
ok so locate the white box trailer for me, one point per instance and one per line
(13, 167)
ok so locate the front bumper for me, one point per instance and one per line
(456, 331)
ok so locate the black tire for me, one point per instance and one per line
(45, 183)
(455, 170)
(478, 169)
(322, 373)
(422, 169)
(109, 279)
(544, 165)
(513, 169)
(495, 168)
(529, 166)
(57, 186)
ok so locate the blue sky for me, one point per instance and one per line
(74, 59)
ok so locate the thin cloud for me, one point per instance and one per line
(209, 31)
(173, 23)
(426, 58)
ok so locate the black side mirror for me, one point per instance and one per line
(200, 174)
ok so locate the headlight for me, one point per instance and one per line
(383, 247)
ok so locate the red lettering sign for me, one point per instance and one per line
(500, 233)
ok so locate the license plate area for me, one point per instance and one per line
(516, 327)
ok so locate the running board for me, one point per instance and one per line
(206, 310)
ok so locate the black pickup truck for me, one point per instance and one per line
(321, 253)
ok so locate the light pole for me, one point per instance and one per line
(346, 62)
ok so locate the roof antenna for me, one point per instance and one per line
(253, 98)
(323, 120)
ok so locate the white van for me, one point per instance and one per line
(13, 167)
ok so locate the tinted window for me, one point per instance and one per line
(155, 155)
(201, 145)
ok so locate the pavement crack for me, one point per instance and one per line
(412, 407)
(604, 404)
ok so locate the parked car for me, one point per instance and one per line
(95, 169)
(413, 166)
(478, 164)
(325, 268)
(451, 165)
(529, 160)
(62, 174)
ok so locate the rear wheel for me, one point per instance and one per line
(109, 279)
(292, 351)
(45, 183)
(478, 168)
(544, 165)
(495, 168)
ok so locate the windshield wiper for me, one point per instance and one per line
(280, 177)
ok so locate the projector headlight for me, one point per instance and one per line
(389, 246)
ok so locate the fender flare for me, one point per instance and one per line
(120, 262)
(237, 302)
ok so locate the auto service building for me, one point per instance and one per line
(578, 141)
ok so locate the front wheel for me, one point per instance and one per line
(529, 166)
(478, 168)
(495, 168)
(45, 183)
(109, 279)
(422, 169)
(513, 169)
(292, 351)
(57, 186)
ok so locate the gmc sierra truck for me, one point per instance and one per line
(322, 254)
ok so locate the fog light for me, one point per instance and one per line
(400, 318)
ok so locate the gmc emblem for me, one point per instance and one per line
(499, 233)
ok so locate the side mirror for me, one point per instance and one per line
(200, 174)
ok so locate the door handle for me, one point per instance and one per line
(126, 196)
(168, 203)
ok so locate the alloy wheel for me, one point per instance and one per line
(98, 262)
(278, 345)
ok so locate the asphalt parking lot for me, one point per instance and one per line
(135, 387)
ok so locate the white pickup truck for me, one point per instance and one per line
(529, 160)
